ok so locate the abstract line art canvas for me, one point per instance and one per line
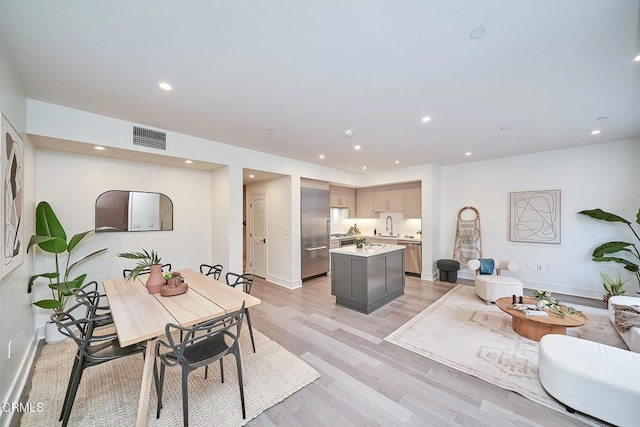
(11, 163)
(535, 216)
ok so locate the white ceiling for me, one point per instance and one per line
(547, 69)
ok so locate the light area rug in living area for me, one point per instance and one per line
(461, 331)
(108, 393)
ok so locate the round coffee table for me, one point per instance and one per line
(535, 327)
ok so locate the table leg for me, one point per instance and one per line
(145, 388)
(535, 330)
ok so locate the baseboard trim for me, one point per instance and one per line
(20, 380)
(289, 284)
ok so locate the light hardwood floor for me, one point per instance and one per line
(366, 381)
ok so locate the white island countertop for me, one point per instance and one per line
(375, 249)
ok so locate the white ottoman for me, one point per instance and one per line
(595, 379)
(492, 287)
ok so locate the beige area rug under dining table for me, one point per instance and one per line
(460, 331)
(108, 393)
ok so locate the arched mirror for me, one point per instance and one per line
(118, 210)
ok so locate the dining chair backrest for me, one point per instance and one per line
(165, 268)
(245, 280)
(89, 296)
(212, 270)
(197, 337)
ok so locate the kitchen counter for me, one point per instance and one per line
(373, 250)
(365, 279)
(381, 237)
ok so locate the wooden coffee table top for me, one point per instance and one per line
(570, 320)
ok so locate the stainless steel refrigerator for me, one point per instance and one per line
(314, 220)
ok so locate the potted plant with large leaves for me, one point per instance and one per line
(51, 238)
(628, 254)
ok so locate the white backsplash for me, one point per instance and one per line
(367, 226)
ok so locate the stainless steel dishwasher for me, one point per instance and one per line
(412, 257)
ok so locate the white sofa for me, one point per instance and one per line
(632, 336)
(593, 378)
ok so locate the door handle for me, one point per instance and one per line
(264, 240)
(317, 248)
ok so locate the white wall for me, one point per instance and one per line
(603, 176)
(278, 200)
(72, 182)
(16, 313)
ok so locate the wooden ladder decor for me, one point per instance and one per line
(468, 244)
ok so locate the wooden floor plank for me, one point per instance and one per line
(366, 381)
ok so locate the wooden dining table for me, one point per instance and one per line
(139, 316)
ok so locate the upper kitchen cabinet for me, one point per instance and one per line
(388, 198)
(364, 203)
(413, 200)
(343, 197)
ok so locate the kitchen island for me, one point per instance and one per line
(365, 279)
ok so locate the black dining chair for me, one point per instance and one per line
(201, 345)
(89, 296)
(165, 268)
(92, 350)
(244, 280)
(211, 270)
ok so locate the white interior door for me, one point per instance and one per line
(258, 236)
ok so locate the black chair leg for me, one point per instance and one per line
(74, 371)
(253, 343)
(240, 381)
(185, 398)
(72, 395)
(159, 390)
(221, 371)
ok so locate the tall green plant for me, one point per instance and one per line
(628, 254)
(51, 238)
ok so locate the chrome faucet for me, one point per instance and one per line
(389, 225)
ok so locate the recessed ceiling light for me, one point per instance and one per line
(321, 156)
(364, 168)
(271, 131)
(478, 32)
(165, 86)
(252, 176)
(99, 148)
(468, 153)
(188, 161)
(637, 58)
(357, 147)
(426, 119)
(397, 161)
(595, 131)
(602, 118)
(348, 133)
(505, 128)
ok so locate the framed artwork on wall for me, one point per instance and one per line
(535, 216)
(11, 164)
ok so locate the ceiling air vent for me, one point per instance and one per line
(149, 138)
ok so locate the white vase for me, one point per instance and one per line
(541, 303)
(51, 333)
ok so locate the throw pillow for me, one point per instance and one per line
(626, 316)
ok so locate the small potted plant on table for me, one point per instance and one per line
(542, 297)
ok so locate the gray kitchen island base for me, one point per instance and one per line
(366, 279)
